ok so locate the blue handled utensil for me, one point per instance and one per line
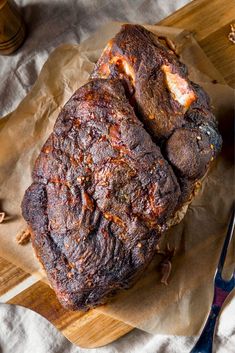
(222, 289)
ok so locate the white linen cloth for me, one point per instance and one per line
(50, 23)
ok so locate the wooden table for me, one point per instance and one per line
(210, 21)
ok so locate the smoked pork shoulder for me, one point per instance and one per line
(125, 154)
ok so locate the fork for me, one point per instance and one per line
(222, 288)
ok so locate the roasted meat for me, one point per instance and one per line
(124, 156)
(172, 108)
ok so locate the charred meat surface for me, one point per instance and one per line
(124, 155)
(102, 192)
(172, 108)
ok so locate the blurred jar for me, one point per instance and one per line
(12, 27)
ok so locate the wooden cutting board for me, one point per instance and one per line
(210, 21)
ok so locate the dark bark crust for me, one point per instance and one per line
(123, 157)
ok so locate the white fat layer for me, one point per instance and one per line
(178, 87)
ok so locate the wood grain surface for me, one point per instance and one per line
(210, 21)
(10, 276)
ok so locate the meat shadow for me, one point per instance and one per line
(226, 128)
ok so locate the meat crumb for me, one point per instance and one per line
(2, 216)
(231, 35)
(23, 237)
(171, 45)
(165, 265)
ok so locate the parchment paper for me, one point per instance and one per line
(180, 307)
